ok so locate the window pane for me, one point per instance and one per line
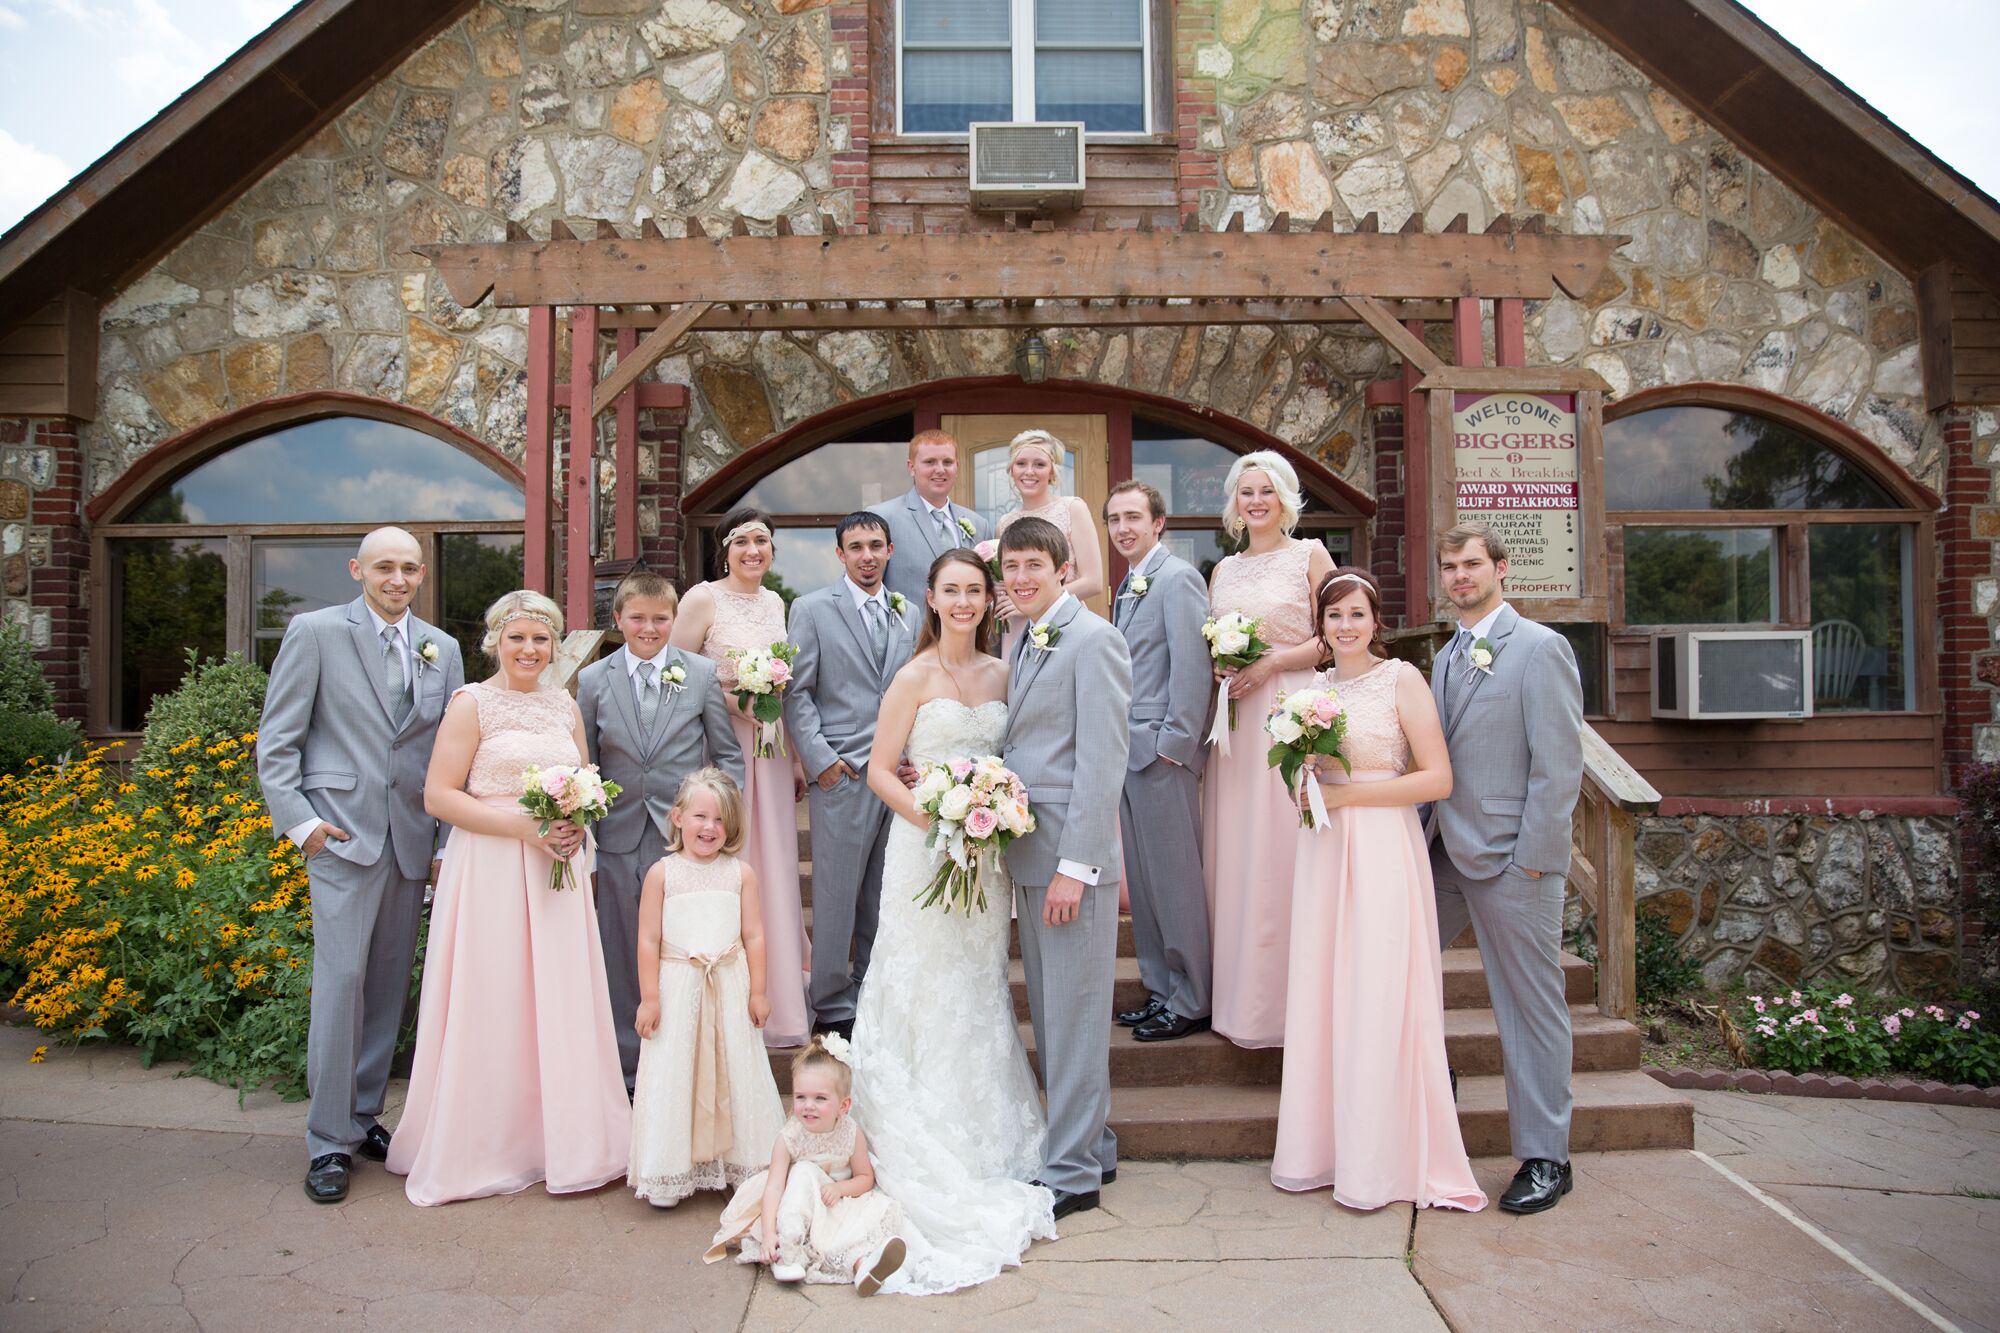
(1861, 594)
(944, 91)
(1191, 472)
(474, 569)
(336, 470)
(166, 597)
(1106, 90)
(805, 561)
(993, 490)
(1587, 642)
(1711, 458)
(288, 577)
(836, 478)
(1700, 576)
(1089, 21)
(955, 20)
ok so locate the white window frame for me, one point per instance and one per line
(1021, 20)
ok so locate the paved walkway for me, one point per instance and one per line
(133, 1199)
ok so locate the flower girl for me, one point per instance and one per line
(815, 1215)
(705, 1104)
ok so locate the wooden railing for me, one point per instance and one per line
(579, 649)
(1603, 862)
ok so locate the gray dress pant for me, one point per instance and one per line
(1069, 975)
(1159, 821)
(620, 876)
(850, 833)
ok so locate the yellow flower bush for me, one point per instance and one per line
(180, 925)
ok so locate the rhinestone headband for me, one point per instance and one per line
(525, 614)
(1038, 439)
(754, 525)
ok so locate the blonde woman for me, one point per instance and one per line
(1034, 467)
(516, 1078)
(1249, 826)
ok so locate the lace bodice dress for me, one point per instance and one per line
(942, 1085)
(1056, 511)
(1375, 739)
(518, 730)
(1273, 586)
(742, 620)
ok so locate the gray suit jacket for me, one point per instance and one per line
(836, 689)
(917, 543)
(1173, 685)
(1516, 742)
(1067, 739)
(692, 730)
(328, 746)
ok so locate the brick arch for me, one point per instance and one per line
(178, 454)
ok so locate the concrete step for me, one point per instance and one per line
(1465, 980)
(1126, 947)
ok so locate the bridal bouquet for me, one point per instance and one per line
(566, 791)
(1303, 723)
(1232, 642)
(977, 806)
(761, 677)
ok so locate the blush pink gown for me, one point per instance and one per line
(771, 843)
(1366, 1102)
(1249, 833)
(516, 1077)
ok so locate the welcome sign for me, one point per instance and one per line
(1516, 460)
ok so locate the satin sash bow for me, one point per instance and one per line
(713, 1134)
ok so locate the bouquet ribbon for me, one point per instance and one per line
(770, 740)
(1218, 735)
(1314, 801)
(713, 1135)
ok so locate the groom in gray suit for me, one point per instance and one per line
(853, 637)
(1512, 704)
(1067, 697)
(350, 715)
(647, 730)
(923, 521)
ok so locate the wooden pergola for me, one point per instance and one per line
(646, 293)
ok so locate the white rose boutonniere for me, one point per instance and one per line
(1045, 637)
(1480, 655)
(899, 604)
(427, 653)
(675, 676)
(965, 526)
(1139, 585)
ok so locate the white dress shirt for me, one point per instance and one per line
(1484, 626)
(401, 626)
(633, 661)
(861, 599)
(1064, 866)
(950, 519)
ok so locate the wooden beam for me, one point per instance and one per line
(1137, 312)
(658, 343)
(537, 527)
(1407, 344)
(625, 502)
(1527, 379)
(1468, 332)
(577, 573)
(1510, 334)
(989, 265)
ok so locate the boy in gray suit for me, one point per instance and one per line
(1067, 696)
(924, 523)
(1512, 704)
(1160, 607)
(853, 636)
(652, 715)
(350, 715)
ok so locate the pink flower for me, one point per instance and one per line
(1844, 1000)
(961, 769)
(781, 671)
(554, 782)
(1798, 998)
(986, 550)
(1972, 1014)
(1758, 1001)
(1810, 1015)
(1893, 1024)
(1325, 709)
(1965, 1022)
(1909, 1013)
(981, 822)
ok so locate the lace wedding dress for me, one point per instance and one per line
(941, 1084)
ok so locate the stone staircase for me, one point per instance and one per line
(1205, 1097)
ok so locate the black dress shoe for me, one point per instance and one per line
(375, 1145)
(1109, 1177)
(1453, 1074)
(1169, 1026)
(326, 1177)
(1538, 1186)
(1146, 1013)
(1067, 1203)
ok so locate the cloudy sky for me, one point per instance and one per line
(82, 74)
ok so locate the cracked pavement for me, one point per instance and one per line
(130, 1198)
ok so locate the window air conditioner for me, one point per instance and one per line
(1028, 165)
(1733, 673)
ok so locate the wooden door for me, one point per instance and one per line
(1086, 471)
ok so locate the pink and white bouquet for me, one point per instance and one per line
(761, 677)
(1232, 642)
(989, 551)
(977, 806)
(566, 791)
(1303, 723)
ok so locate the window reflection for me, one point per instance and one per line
(836, 478)
(805, 560)
(993, 489)
(1700, 576)
(288, 577)
(1861, 615)
(474, 569)
(1191, 472)
(166, 597)
(1711, 458)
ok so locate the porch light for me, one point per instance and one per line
(1032, 358)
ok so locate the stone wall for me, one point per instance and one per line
(1866, 901)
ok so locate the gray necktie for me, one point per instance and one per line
(943, 521)
(878, 630)
(1452, 662)
(649, 699)
(392, 673)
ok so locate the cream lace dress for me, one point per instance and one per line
(825, 1240)
(704, 1003)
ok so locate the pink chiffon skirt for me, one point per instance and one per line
(516, 1078)
(771, 848)
(1366, 1102)
(1249, 841)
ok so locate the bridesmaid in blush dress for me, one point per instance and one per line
(737, 611)
(1366, 1103)
(1034, 467)
(1248, 836)
(516, 1076)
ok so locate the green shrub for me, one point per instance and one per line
(1666, 971)
(217, 698)
(26, 738)
(23, 688)
(1816, 1028)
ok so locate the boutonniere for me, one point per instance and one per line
(965, 526)
(675, 676)
(899, 604)
(1480, 655)
(427, 652)
(1139, 585)
(1045, 637)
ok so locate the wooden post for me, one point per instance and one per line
(1417, 560)
(627, 457)
(1510, 333)
(536, 458)
(577, 506)
(1617, 971)
(1468, 332)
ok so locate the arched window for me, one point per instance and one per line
(221, 554)
(1740, 513)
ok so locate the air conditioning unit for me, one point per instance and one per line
(1027, 165)
(1733, 673)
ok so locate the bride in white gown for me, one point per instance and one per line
(941, 1084)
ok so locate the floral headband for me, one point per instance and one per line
(741, 529)
(523, 613)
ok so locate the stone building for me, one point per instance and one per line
(221, 355)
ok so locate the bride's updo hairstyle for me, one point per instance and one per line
(1344, 582)
(932, 629)
(817, 1056)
